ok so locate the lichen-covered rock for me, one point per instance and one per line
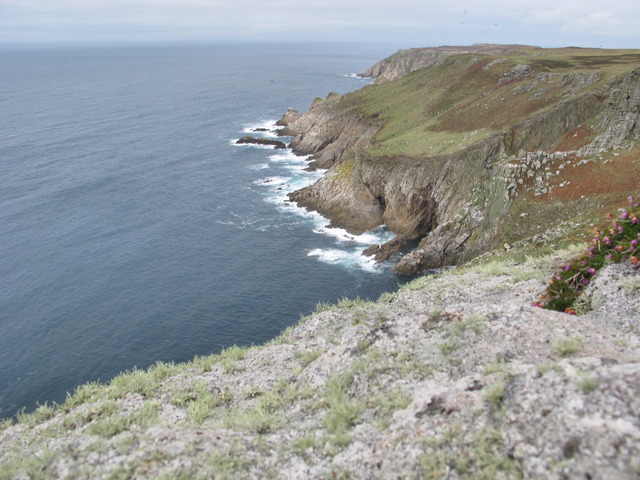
(455, 376)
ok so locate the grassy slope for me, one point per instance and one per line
(444, 109)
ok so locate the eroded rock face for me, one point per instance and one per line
(290, 116)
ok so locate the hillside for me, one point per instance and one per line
(476, 149)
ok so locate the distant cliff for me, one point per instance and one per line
(448, 149)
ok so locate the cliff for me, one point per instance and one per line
(460, 139)
(454, 376)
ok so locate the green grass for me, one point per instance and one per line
(342, 412)
(588, 384)
(307, 356)
(494, 394)
(115, 423)
(568, 346)
(202, 404)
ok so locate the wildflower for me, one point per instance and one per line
(591, 270)
(566, 268)
(633, 242)
(631, 199)
(585, 282)
(606, 241)
(619, 248)
(634, 260)
(609, 257)
(624, 215)
(570, 311)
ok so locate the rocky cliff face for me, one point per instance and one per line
(441, 154)
(406, 61)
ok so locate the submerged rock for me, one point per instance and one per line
(261, 141)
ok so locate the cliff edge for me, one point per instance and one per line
(457, 142)
(454, 376)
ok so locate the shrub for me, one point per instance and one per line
(619, 242)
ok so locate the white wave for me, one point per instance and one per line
(267, 128)
(287, 156)
(345, 258)
(260, 166)
(272, 181)
(266, 124)
(233, 141)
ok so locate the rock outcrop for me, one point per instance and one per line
(406, 61)
(277, 144)
(449, 178)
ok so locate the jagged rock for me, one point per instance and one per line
(261, 141)
(386, 250)
(290, 116)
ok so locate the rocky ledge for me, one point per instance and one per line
(455, 376)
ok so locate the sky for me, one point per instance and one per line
(405, 23)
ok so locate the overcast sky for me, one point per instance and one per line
(405, 23)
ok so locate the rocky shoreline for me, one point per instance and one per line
(452, 196)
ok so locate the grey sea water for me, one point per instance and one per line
(133, 230)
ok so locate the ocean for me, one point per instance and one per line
(133, 229)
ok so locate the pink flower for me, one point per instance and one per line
(624, 215)
(585, 282)
(566, 268)
(606, 241)
(591, 271)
